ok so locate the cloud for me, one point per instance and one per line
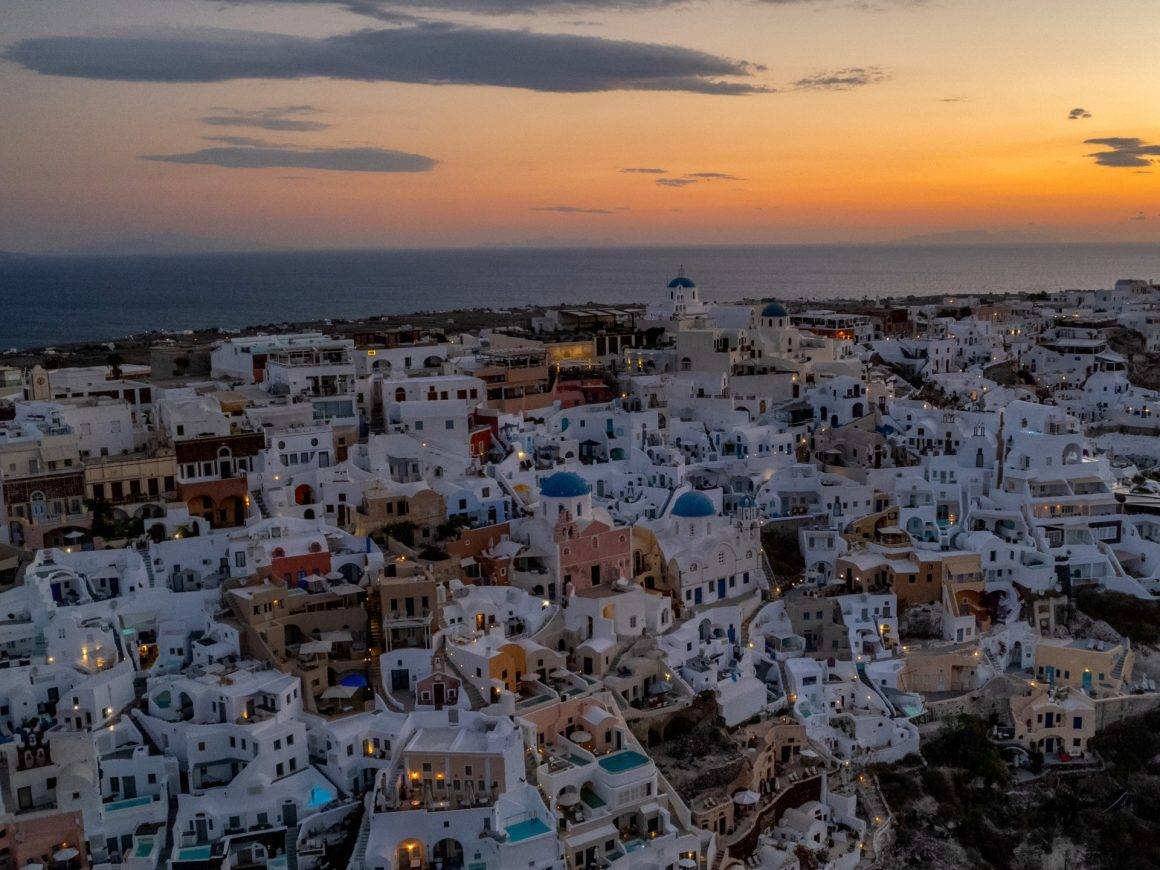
(389, 10)
(676, 182)
(245, 141)
(842, 79)
(287, 157)
(644, 170)
(286, 119)
(954, 100)
(1123, 151)
(575, 209)
(1077, 114)
(427, 53)
(392, 10)
(1138, 216)
(714, 176)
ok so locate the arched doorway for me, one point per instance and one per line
(410, 855)
(231, 511)
(303, 494)
(202, 507)
(448, 854)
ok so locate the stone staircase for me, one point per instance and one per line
(1118, 667)
(258, 502)
(359, 855)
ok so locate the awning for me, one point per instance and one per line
(340, 692)
(604, 832)
(746, 798)
(594, 716)
(312, 647)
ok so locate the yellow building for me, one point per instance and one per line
(1095, 667)
(1054, 720)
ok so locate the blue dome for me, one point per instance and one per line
(774, 309)
(564, 484)
(694, 504)
(681, 281)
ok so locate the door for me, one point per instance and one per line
(440, 694)
(720, 588)
(697, 597)
(129, 786)
(400, 680)
(201, 830)
(1087, 681)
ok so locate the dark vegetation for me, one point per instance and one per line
(1132, 617)
(962, 807)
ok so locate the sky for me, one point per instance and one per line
(255, 124)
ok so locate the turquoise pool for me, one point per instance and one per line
(320, 797)
(633, 845)
(526, 829)
(139, 801)
(194, 853)
(619, 762)
(144, 847)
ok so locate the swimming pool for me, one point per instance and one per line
(526, 829)
(125, 804)
(320, 797)
(194, 853)
(619, 762)
(355, 681)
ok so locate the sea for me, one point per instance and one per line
(48, 300)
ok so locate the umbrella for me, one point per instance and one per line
(568, 799)
(74, 535)
(746, 798)
(580, 737)
(688, 863)
(65, 854)
(558, 674)
(660, 687)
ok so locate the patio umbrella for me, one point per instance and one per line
(568, 799)
(580, 737)
(687, 863)
(746, 798)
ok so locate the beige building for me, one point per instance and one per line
(1095, 667)
(1054, 720)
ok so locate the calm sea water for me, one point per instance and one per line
(47, 300)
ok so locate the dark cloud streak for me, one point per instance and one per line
(842, 79)
(329, 159)
(428, 53)
(285, 119)
(1123, 152)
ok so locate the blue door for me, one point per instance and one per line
(1087, 681)
(697, 595)
(1050, 672)
(721, 588)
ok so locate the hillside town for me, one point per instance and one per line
(680, 585)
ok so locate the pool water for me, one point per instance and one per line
(320, 797)
(144, 847)
(524, 830)
(621, 761)
(125, 804)
(355, 681)
(194, 853)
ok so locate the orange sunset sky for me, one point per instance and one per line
(369, 123)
